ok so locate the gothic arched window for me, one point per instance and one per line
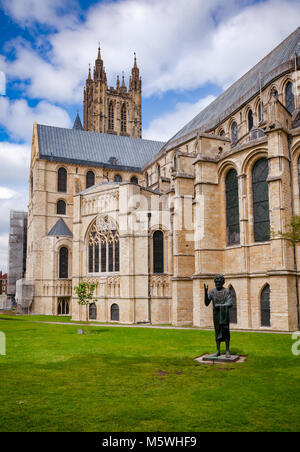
(234, 133)
(232, 208)
(175, 162)
(158, 252)
(134, 180)
(123, 118)
(114, 312)
(118, 178)
(63, 262)
(289, 97)
(147, 180)
(260, 112)
(260, 190)
(250, 120)
(92, 311)
(63, 307)
(103, 246)
(61, 207)
(222, 133)
(233, 310)
(265, 311)
(90, 179)
(158, 171)
(62, 180)
(110, 116)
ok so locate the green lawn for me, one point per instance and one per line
(138, 379)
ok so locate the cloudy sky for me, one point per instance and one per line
(188, 52)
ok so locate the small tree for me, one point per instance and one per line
(292, 234)
(85, 292)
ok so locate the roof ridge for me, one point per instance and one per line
(235, 84)
(120, 137)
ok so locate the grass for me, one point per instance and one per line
(137, 379)
(36, 318)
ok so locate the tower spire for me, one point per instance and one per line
(99, 52)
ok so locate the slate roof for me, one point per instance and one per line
(282, 58)
(95, 149)
(60, 229)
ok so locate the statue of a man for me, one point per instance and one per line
(221, 298)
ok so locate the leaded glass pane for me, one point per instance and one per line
(260, 112)
(250, 120)
(232, 208)
(289, 98)
(62, 180)
(265, 307)
(90, 179)
(110, 257)
(158, 252)
(111, 116)
(96, 257)
(234, 133)
(63, 262)
(117, 256)
(123, 118)
(91, 258)
(134, 180)
(103, 256)
(260, 192)
(61, 207)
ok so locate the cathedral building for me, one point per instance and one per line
(151, 222)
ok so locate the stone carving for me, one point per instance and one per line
(105, 223)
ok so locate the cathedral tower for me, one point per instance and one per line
(113, 110)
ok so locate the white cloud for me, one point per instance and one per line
(6, 193)
(14, 176)
(178, 47)
(3, 252)
(18, 117)
(165, 126)
(14, 168)
(56, 13)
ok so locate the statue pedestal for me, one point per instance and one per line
(221, 358)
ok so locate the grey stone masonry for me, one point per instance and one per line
(17, 243)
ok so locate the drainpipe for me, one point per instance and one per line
(149, 268)
(293, 212)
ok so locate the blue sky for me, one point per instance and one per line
(188, 52)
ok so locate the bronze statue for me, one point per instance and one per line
(221, 298)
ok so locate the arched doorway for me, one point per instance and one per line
(265, 310)
(114, 312)
(92, 311)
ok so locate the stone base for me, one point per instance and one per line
(211, 359)
(221, 358)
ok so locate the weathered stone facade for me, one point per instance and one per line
(172, 228)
